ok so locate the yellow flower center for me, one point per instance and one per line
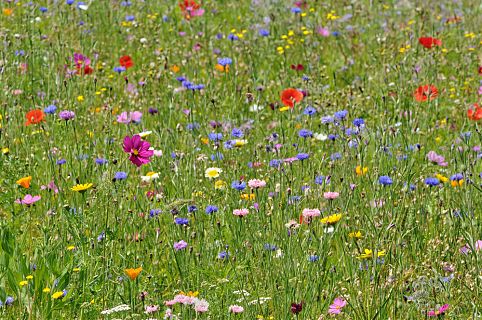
(135, 152)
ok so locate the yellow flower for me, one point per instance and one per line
(58, 295)
(76, 269)
(80, 98)
(355, 234)
(70, 248)
(457, 183)
(29, 277)
(150, 176)
(240, 142)
(334, 218)
(222, 68)
(5, 150)
(23, 283)
(46, 290)
(361, 171)
(220, 185)
(248, 196)
(205, 140)
(190, 293)
(133, 273)
(82, 187)
(24, 182)
(441, 178)
(282, 109)
(212, 172)
(369, 254)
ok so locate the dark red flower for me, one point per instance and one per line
(126, 62)
(296, 307)
(429, 42)
(298, 67)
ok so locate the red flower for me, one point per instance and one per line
(88, 70)
(298, 67)
(429, 42)
(290, 96)
(189, 5)
(480, 71)
(126, 62)
(475, 114)
(34, 117)
(426, 92)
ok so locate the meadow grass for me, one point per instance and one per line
(360, 196)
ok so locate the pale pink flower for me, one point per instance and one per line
(324, 32)
(337, 305)
(236, 309)
(435, 158)
(28, 200)
(201, 306)
(331, 195)
(310, 213)
(240, 212)
(151, 309)
(478, 245)
(256, 183)
(124, 118)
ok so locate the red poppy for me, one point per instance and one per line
(189, 5)
(480, 71)
(290, 96)
(88, 70)
(34, 117)
(426, 92)
(429, 42)
(298, 67)
(126, 62)
(475, 114)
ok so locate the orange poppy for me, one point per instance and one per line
(290, 96)
(24, 182)
(475, 114)
(429, 42)
(34, 117)
(133, 273)
(126, 62)
(426, 92)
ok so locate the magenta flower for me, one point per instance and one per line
(28, 200)
(440, 311)
(139, 150)
(338, 304)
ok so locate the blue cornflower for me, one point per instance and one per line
(126, 3)
(9, 301)
(332, 137)
(340, 115)
(191, 208)
(432, 182)
(352, 144)
(20, 53)
(119, 69)
(155, 212)
(61, 162)
(305, 133)
(70, 2)
(302, 156)
(233, 37)
(296, 10)
(130, 18)
(305, 78)
(101, 161)
(223, 255)
(181, 79)
(457, 177)
(327, 119)
(192, 126)
(120, 175)
(309, 111)
(101, 236)
(319, 180)
(181, 221)
(275, 163)
(237, 133)
(50, 109)
(225, 61)
(213, 136)
(313, 258)
(229, 144)
(270, 247)
(335, 156)
(263, 32)
(385, 180)
(43, 9)
(217, 156)
(358, 122)
(211, 209)
(238, 185)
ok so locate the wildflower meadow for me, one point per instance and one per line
(250, 159)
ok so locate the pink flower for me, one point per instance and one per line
(50, 186)
(201, 306)
(324, 32)
(331, 195)
(465, 250)
(435, 158)
(123, 118)
(128, 118)
(478, 245)
(135, 116)
(28, 200)
(236, 309)
(139, 150)
(440, 311)
(256, 183)
(197, 13)
(151, 309)
(240, 212)
(309, 213)
(338, 304)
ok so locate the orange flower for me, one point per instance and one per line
(221, 68)
(476, 114)
(426, 92)
(429, 42)
(290, 96)
(175, 68)
(24, 182)
(34, 117)
(7, 11)
(133, 273)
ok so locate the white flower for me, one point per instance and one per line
(119, 308)
(255, 108)
(320, 136)
(150, 176)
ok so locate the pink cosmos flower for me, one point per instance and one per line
(240, 212)
(331, 195)
(338, 304)
(50, 186)
(324, 32)
(236, 309)
(123, 118)
(135, 116)
(256, 183)
(440, 311)
(310, 213)
(139, 150)
(28, 200)
(127, 118)
(435, 158)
